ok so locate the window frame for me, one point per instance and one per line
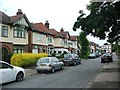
(19, 32)
(18, 49)
(50, 39)
(4, 31)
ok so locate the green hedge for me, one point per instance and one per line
(26, 59)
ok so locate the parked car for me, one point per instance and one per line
(106, 58)
(10, 73)
(61, 51)
(49, 64)
(71, 59)
(92, 55)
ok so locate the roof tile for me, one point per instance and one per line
(74, 38)
(42, 28)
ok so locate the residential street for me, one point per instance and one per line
(49, 35)
(71, 77)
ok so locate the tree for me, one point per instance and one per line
(84, 43)
(103, 20)
(114, 47)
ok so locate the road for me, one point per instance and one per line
(71, 77)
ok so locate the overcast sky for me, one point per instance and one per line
(59, 13)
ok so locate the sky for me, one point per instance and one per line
(59, 13)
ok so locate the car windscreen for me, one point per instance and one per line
(43, 60)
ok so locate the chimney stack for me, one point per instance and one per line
(62, 30)
(47, 24)
(19, 12)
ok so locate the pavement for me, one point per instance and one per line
(29, 72)
(107, 77)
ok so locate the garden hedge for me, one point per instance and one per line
(26, 59)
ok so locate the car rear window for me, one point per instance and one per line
(59, 52)
(75, 56)
(44, 60)
(106, 55)
(66, 56)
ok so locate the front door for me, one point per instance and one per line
(5, 55)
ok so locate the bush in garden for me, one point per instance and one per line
(26, 59)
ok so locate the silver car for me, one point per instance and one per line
(49, 64)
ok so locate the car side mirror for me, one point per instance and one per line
(11, 67)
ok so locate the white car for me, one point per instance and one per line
(92, 55)
(49, 64)
(61, 51)
(10, 73)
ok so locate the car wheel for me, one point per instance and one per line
(74, 63)
(38, 71)
(102, 61)
(62, 67)
(111, 60)
(65, 64)
(53, 70)
(79, 62)
(19, 76)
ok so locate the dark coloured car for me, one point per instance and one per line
(106, 58)
(71, 59)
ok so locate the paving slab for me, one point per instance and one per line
(105, 85)
(106, 76)
(111, 65)
(29, 72)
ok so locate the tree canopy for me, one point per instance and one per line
(84, 43)
(103, 20)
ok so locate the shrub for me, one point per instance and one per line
(26, 59)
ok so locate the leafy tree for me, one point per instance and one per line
(84, 43)
(116, 48)
(103, 20)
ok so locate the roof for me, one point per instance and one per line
(34, 28)
(73, 38)
(13, 19)
(64, 34)
(4, 18)
(43, 28)
(56, 33)
(10, 19)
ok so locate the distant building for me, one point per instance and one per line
(94, 47)
(107, 48)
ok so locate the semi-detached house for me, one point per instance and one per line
(18, 35)
(14, 34)
(42, 42)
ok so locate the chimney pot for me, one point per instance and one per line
(47, 24)
(62, 30)
(19, 12)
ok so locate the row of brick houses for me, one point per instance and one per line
(18, 35)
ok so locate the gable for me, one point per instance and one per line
(22, 21)
(67, 36)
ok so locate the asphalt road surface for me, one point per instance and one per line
(71, 77)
